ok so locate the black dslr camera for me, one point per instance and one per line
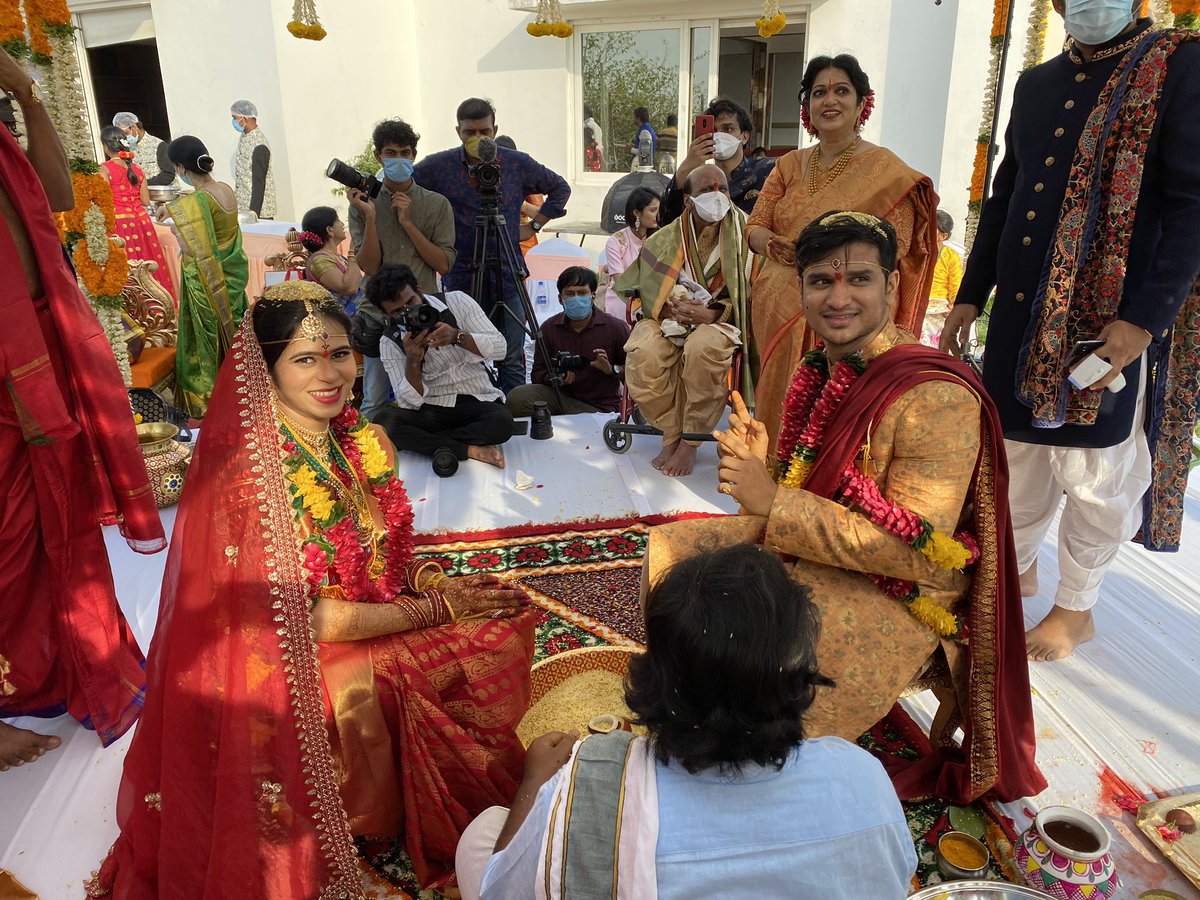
(565, 361)
(418, 318)
(352, 178)
(485, 174)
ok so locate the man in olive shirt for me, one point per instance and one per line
(406, 225)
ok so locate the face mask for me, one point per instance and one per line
(472, 147)
(578, 308)
(725, 145)
(712, 206)
(397, 169)
(131, 141)
(238, 126)
(185, 179)
(1095, 22)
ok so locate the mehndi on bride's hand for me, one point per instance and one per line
(483, 596)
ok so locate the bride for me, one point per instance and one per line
(310, 681)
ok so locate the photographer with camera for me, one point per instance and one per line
(434, 353)
(394, 223)
(586, 349)
(458, 175)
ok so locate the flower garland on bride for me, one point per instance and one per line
(329, 487)
(813, 399)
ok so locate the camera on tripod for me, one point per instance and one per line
(349, 176)
(565, 361)
(418, 318)
(486, 173)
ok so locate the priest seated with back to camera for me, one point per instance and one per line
(435, 353)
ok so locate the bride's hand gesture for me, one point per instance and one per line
(483, 596)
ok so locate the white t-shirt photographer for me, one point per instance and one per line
(448, 372)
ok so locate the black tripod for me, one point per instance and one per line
(490, 261)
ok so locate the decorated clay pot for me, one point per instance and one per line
(1065, 853)
(166, 461)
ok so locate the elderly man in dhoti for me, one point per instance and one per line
(691, 278)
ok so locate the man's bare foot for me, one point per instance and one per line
(682, 461)
(1059, 633)
(664, 455)
(488, 453)
(1029, 581)
(18, 746)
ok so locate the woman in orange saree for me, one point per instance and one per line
(308, 681)
(840, 172)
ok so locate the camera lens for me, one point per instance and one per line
(541, 426)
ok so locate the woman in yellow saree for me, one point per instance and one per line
(213, 274)
(840, 172)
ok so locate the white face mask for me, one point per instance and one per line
(725, 145)
(1095, 22)
(711, 207)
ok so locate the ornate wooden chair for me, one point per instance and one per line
(153, 309)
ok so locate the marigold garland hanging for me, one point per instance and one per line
(549, 21)
(979, 172)
(1187, 13)
(305, 24)
(12, 29)
(103, 280)
(772, 21)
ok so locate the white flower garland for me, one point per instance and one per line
(114, 330)
(1161, 13)
(65, 104)
(1035, 43)
(97, 237)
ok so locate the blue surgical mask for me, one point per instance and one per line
(185, 179)
(1095, 22)
(131, 141)
(397, 169)
(578, 308)
(238, 126)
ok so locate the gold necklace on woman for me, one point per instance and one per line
(814, 165)
(321, 447)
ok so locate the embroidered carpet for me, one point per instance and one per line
(584, 581)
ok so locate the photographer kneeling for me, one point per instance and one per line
(587, 353)
(434, 356)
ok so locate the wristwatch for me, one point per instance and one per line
(459, 338)
(535, 226)
(618, 370)
(32, 98)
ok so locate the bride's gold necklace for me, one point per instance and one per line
(839, 165)
(320, 446)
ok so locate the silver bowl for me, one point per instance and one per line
(955, 872)
(977, 890)
(163, 193)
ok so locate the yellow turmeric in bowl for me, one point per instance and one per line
(962, 851)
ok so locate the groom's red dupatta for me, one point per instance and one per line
(996, 759)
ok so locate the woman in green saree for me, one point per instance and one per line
(213, 273)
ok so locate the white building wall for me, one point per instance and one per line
(419, 58)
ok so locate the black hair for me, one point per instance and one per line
(394, 131)
(637, 201)
(730, 665)
(113, 138)
(817, 241)
(843, 61)
(672, 119)
(945, 221)
(190, 152)
(756, 149)
(318, 220)
(722, 106)
(475, 108)
(587, 111)
(577, 276)
(276, 321)
(506, 142)
(642, 114)
(388, 283)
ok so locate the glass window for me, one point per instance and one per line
(623, 71)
